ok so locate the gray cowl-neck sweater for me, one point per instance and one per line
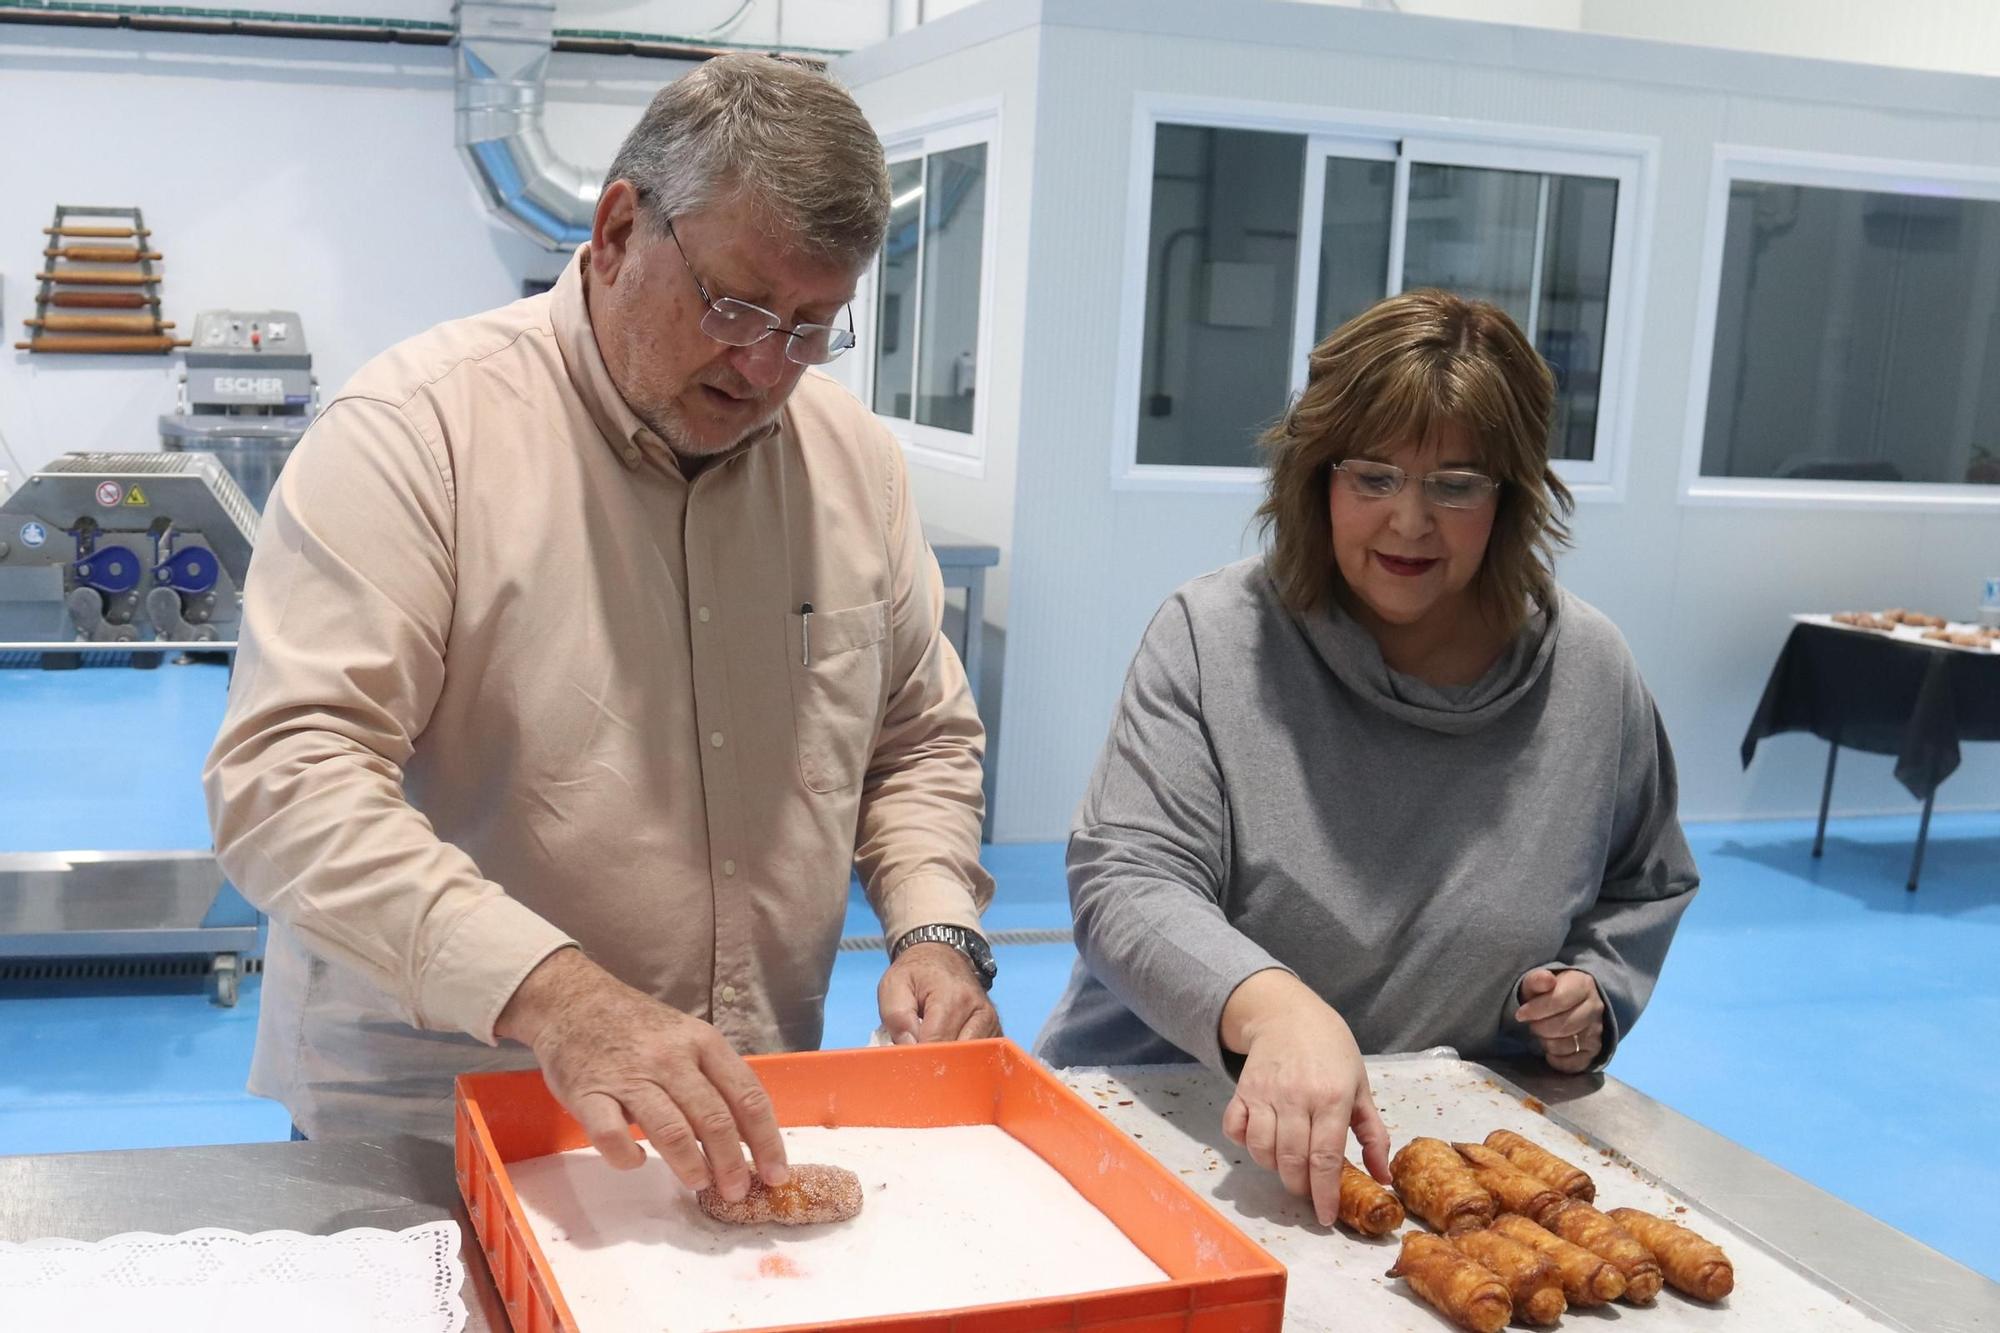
(1272, 794)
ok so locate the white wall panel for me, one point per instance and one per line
(1702, 594)
(1002, 69)
(314, 176)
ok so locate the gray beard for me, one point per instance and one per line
(665, 420)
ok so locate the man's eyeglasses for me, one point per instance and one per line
(740, 324)
(1451, 488)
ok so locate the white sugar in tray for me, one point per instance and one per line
(951, 1217)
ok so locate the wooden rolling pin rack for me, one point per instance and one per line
(99, 289)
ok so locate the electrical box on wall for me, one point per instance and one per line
(1240, 296)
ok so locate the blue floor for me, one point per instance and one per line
(1813, 1011)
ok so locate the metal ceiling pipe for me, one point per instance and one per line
(503, 51)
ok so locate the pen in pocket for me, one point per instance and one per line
(805, 634)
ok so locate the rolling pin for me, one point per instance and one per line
(101, 254)
(98, 233)
(101, 279)
(103, 300)
(163, 343)
(100, 324)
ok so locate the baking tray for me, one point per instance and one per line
(1338, 1280)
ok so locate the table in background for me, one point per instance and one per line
(1869, 691)
(963, 562)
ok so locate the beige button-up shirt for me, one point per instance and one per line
(508, 680)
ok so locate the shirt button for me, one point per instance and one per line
(715, 739)
(728, 995)
(702, 615)
(728, 867)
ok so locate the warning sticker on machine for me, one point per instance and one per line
(135, 498)
(109, 493)
(33, 534)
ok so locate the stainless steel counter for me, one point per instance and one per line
(394, 1183)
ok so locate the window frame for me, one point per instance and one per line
(1772, 166)
(1632, 160)
(963, 453)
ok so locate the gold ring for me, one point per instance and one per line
(1578, 1048)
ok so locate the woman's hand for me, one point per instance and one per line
(1303, 1087)
(1566, 1013)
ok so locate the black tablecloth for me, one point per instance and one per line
(1870, 692)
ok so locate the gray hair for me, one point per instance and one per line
(788, 139)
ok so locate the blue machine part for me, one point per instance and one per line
(191, 570)
(110, 569)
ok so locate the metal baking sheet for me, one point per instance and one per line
(1337, 1280)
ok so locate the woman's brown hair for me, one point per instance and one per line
(1398, 373)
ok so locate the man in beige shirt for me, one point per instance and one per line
(588, 643)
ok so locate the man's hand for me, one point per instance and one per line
(615, 1057)
(1566, 1013)
(1303, 1087)
(931, 993)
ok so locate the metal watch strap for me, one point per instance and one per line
(969, 943)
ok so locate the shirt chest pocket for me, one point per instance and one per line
(837, 671)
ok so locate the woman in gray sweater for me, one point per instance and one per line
(1388, 787)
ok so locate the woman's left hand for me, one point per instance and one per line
(1566, 1014)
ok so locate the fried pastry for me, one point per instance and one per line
(1439, 1187)
(1513, 1190)
(1365, 1206)
(1538, 1161)
(1694, 1265)
(1586, 1279)
(1454, 1285)
(1529, 1276)
(1584, 1225)
(1959, 638)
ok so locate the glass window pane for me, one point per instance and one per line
(1354, 239)
(954, 240)
(1575, 302)
(1857, 338)
(896, 291)
(1221, 288)
(1539, 247)
(1471, 230)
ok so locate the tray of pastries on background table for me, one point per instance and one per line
(1917, 626)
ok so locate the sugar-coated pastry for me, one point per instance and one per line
(813, 1194)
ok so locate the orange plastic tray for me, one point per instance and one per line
(1218, 1279)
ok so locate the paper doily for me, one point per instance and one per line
(359, 1281)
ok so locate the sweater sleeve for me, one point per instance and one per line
(1649, 879)
(1149, 854)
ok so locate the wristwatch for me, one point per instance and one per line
(968, 942)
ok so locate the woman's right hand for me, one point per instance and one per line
(1303, 1087)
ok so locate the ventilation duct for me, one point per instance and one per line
(503, 53)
